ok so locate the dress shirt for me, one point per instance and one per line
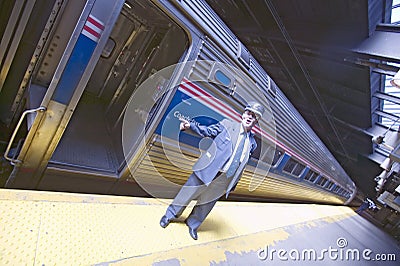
(242, 134)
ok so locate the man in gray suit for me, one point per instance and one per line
(218, 170)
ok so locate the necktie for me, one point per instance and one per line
(236, 158)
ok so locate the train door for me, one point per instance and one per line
(74, 143)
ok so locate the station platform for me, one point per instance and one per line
(53, 228)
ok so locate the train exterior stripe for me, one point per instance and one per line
(78, 60)
(217, 106)
(93, 28)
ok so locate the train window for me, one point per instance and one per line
(221, 77)
(298, 169)
(278, 154)
(329, 185)
(290, 165)
(321, 181)
(308, 175)
(311, 176)
(293, 167)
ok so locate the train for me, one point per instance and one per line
(92, 93)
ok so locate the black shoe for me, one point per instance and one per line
(193, 233)
(164, 222)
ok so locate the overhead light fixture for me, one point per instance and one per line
(387, 164)
(396, 80)
(380, 141)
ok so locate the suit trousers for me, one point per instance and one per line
(206, 196)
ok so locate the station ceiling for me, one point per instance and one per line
(309, 47)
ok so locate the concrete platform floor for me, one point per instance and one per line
(52, 228)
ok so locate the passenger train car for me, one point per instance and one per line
(92, 93)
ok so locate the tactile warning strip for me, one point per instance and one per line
(49, 228)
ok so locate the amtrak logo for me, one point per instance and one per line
(180, 116)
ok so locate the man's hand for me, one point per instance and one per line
(184, 124)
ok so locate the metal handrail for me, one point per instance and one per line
(12, 160)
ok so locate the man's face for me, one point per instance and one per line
(248, 120)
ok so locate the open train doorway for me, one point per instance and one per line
(142, 42)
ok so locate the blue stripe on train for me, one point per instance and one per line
(74, 69)
(183, 105)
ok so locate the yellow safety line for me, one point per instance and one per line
(217, 251)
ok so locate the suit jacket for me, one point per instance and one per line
(225, 135)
